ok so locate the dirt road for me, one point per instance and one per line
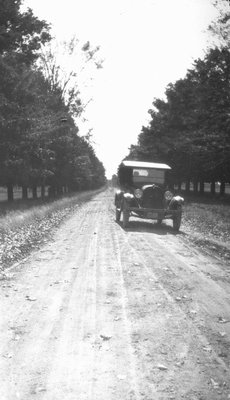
(101, 313)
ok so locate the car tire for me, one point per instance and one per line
(177, 220)
(118, 214)
(125, 218)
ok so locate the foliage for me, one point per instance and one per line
(190, 129)
(220, 28)
(68, 67)
(22, 34)
(39, 141)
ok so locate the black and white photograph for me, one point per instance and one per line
(115, 200)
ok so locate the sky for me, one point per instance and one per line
(145, 45)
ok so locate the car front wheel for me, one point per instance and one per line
(177, 221)
(125, 218)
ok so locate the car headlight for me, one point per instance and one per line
(138, 193)
(168, 195)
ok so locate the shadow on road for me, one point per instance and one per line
(150, 227)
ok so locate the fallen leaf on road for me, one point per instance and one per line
(105, 337)
(40, 389)
(214, 384)
(221, 320)
(162, 367)
(3, 276)
(121, 377)
(31, 298)
(223, 355)
(9, 355)
(207, 348)
(180, 363)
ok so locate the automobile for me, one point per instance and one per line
(144, 193)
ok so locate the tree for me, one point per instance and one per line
(39, 142)
(220, 28)
(65, 66)
(22, 34)
(190, 129)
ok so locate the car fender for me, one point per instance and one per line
(176, 203)
(127, 199)
(128, 196)
(118, 198)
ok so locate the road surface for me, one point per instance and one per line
(100, 313)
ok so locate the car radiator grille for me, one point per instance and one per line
(152, 198)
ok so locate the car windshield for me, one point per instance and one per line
(148, 175)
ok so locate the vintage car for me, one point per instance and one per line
(144, 193)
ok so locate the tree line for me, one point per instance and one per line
(190, 128)
(40, 143)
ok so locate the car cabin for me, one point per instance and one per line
(139, 173)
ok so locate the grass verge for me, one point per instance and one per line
(206, 222)
(23, 230)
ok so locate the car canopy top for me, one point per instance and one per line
(142, 164)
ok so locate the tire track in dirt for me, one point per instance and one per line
(73, 352)
(127, 325)
(204, 301)
(157, 260)
(42, 333)
(109, 320)
(120, 380)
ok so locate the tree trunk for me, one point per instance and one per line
(34, 191)
(24, 192)
(195, 187)
(51, 191)
(59, 190)
(222, 188)
(10, 192)
(213, 187)
(201, 187)
(43, 192)
(187, 186)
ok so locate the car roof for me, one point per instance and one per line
(142, 164)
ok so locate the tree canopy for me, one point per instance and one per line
(22, 34)
(39, 140)
(190, 128)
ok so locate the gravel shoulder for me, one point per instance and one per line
(103, 313)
